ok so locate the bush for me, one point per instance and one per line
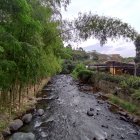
(85, 75)
(97, 76)
(79, 67)
(133, 82)
(68, 66)
(125, 81)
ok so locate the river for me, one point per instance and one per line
(66, 116)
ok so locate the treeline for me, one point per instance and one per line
(30, 49)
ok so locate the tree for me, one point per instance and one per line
(137, 58)
(26, 54)
(137, 45)
(99, 27)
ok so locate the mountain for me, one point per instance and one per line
(97, 47)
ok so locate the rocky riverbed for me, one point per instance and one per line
(64, 112)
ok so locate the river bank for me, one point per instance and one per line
(28, 104)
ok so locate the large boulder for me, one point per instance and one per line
(40, 112)
(27, 118)
(15, 125)
(23, 136)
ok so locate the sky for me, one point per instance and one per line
(126, 10)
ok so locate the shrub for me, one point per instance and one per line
(68, 66)
(85, 75)
(133, 82)
(79, 67)
(125, 81)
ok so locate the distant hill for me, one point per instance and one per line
(97, 47)
(101, 58)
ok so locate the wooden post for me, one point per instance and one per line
(113, 68)
(135, 69)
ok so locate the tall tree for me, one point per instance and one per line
(137, 45)
(137, 58)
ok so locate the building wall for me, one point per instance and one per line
(116, 71)
(111, 71)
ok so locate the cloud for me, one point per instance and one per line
(126, 49)
(126, 10)
(119, 49)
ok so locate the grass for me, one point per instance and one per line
(3, 125)
(4, 121)
(27, 104)
(136, 95)
(132, 108)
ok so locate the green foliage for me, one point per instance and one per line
(68, 66)
(128, 59)
(100, 27)
(79, 55)
(136, 94)
(97, 76)
(3, 125)
(124, 104)
(79, 67)
(125, 81)
(85, 75)
(131, 82)
(29, 47)
(67, 52)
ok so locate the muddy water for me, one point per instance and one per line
(66, 116)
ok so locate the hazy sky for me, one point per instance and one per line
(126, 10)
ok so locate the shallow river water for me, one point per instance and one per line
(66, 116)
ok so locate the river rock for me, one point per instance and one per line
(6, 132)
(98, 109)
(40, 112)
(136, 120)
(90, 113)
(23, 136)
(123, 113)
(105, 126)
(123, 118)
(91, 109)
(27, 118)
(117, 91)
(130, 117)
(15, 125)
